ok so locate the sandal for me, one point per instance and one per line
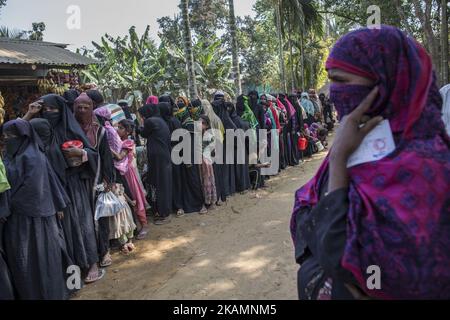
(106, 261)
(142, 234)
(180, 213)
(161, 221)
(125, 250)
(101, 273)
(203, 211)
(130, 247)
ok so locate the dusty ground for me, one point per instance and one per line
(240, 251)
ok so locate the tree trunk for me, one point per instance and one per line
(302, 54)
(430, 40)
(192, 86)
(280, 47)
(444, 42)
(402, 15)
(291, 63)
(234, 49)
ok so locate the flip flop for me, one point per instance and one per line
(106, 262)
(180, 213)
(125, 250)
(101, 274)
(160, 222)
(130, 247)
(142, 234)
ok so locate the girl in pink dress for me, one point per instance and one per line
(124, 129)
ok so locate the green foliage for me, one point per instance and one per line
(302, 29)
(135, 64)
(37, 32)
(6, 32)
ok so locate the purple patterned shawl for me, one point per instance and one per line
(399, 206)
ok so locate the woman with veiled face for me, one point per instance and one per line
(391, 212)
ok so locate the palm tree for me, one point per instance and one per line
(6, 32)
(192, 87)
(280, 44)
(234, 49)
(301, 18)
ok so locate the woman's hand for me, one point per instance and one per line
(73, 152)
(33, 110)
(60, 215)
(348, 137)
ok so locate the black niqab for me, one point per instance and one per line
(53, 152)
(70, 96)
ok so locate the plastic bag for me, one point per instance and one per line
(320, 146)
(4, 185)
(107, 205)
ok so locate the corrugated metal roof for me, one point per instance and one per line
(14, 51)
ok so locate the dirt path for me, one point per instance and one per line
(241, 251)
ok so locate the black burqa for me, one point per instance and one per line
(242, 175)
(35, 250)
(78, 222)
(282, 141)
(299, 118)
(159, 180)
(228, 172)
(6, 286)
(192, 190)
(257, 108)
(106, 170)
(70, 96)
(96, 97)
(166, 110)
(290, 134)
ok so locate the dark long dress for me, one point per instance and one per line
(258, 109)
(283, 142)
(6, 287)
(228, 172)
(299, 118)
(220, 185)
(290, 136)
(157, 134)
(320, 241)
(173, 123)
(108, 175)
(78, 222)
(192, 190)
(241, 170)
(35, 249)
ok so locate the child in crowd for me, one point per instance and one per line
(124, 129)
(122, 225)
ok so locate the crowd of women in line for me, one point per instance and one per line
(68, 152)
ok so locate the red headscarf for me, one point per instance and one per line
(87, 120)
(152, 100)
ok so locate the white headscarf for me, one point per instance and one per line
(445, 93)
(214, 120)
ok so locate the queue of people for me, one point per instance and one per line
(72, 188)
